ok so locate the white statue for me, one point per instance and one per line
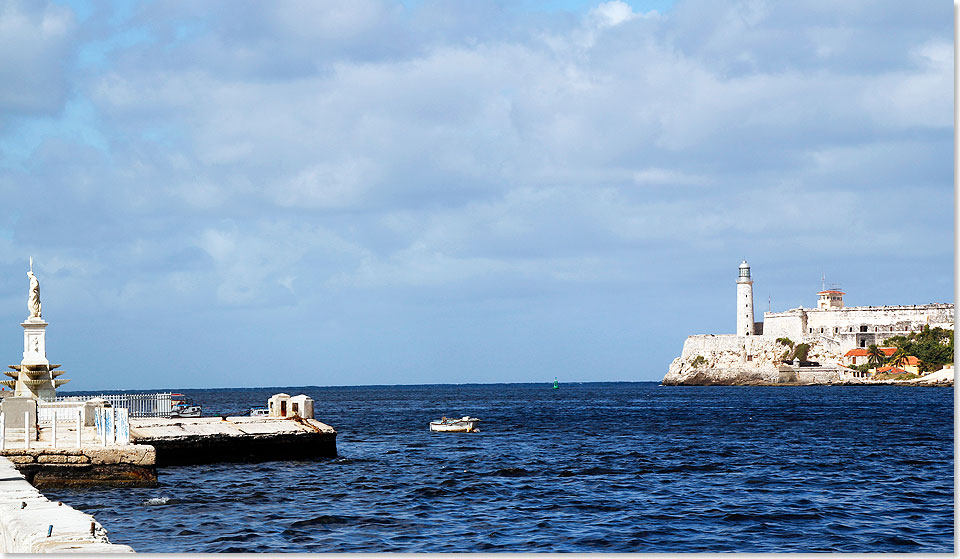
(33, 300)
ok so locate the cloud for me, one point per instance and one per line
(248, 157)
(611, 14)
(36, 41)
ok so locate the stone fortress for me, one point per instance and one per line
(754, 356)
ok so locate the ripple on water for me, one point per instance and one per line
(644, 468)
(511, 472)
(160, 501)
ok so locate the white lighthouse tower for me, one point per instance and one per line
(744, 301)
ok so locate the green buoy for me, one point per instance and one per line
(556, 384)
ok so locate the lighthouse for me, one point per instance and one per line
(744, 301)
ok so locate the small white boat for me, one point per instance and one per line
(466, 424)
(259, 412)
(182, 407)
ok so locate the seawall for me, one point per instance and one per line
(26, 517)
(88, 466)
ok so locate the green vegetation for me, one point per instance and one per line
(698, 361)
(794, 351)
(800, 351)
(899, 358)
(789, 343)
(932, 346)
(874, 356)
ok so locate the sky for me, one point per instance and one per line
(288, 193)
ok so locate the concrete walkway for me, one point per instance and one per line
(26, 518)
(66, 437)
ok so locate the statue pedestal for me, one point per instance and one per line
(35, 377)
(34, 342)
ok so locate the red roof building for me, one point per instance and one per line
(859, 356)
(830, 299)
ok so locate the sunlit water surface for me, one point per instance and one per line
(593, 467)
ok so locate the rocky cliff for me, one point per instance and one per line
(727, 359)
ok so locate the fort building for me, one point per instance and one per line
(831, 330)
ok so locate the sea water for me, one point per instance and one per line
(592, 467)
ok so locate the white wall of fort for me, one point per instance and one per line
(857, 326)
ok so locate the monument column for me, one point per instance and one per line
(34, 377)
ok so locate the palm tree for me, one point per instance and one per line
(874, 355)
(899, 358)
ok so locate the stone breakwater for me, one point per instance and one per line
(31, 523)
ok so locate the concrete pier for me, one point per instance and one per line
(203, 440)
(26, 518)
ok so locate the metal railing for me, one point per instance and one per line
(138, 405)
(48, 412)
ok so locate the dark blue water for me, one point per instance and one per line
(595, 467)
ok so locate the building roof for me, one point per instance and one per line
(862, 352)
(831, 292)
(895, 370)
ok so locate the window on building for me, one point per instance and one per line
(863, 328)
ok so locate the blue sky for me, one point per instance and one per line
(225, 194)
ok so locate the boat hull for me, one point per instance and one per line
(186, 411)
(454, 426)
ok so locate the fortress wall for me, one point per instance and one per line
(783, 325)
(850, 323)
(879, 319)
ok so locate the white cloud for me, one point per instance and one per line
(35, 42)
(281, 153)
(610, 14)
(337, 185)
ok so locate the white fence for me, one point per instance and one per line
(139, 405)
(26, 434)
(112, 424)
(48, 412)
